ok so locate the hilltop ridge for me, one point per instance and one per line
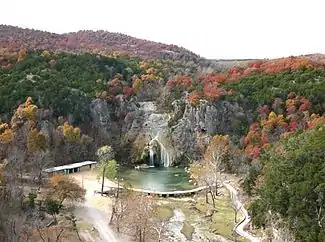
(98, 42)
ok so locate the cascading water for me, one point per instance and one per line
(156, 125)
(165, 157)
(152, 156)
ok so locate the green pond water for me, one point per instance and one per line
(157, 179)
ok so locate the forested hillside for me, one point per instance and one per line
(283, 141)
(64, 82)
(97, 42)
(291, 194)
(58, 107)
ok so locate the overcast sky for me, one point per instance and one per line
(211, 28)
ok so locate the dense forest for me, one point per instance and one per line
(64, 82)
(292, 191)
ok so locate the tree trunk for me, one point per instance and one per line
(216, 187)
(112, 215)
(77, 232)
(103, 180)
(117, 224)
(213, 199)
(54, 218)
(118, 188)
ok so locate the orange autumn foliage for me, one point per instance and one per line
(6, 134)
(212, 77)
(27, 110)
(56, 179)
(194, 98)
(272, 127)
(180, 81)
(273, 66)
(213, 91)
(316, 120)
(21, 55)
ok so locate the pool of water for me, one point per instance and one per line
(157, 179)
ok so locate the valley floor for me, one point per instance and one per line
(197, 223)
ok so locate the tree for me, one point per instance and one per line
(159, 224)
(2, 174)
(52, 234)
(41, 161)
(73, 219)
(66, 188)
(105, 153)
(218, 156)
(139, 215)
(21, 54)
(108, 169)
(216, 159)
(203, 175)
(142, 207)
(107, 166)
(194, 98)
(122, 208)
(52, 207)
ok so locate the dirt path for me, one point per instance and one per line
(96, 209)
(99, 219)
(240, 227)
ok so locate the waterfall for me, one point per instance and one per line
(156, 125)
(151, 154)
(164, 154)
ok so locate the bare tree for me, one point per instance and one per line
(217, 156)
(159, 225)
(65, 188)
(137, 215)
(203, 174)
(40, 161)
(121, 209)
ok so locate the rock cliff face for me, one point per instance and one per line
(145, 126)
(182, 134)
(192, 132)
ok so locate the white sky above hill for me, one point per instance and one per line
(210, 28)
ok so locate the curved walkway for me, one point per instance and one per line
(240, 227)
(158, 193)
(171, 193)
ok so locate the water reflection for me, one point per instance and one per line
(157, 179)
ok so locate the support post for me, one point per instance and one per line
(118, 187)
(103, 181)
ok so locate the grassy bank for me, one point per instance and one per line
(187, 230)
(220, 221)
